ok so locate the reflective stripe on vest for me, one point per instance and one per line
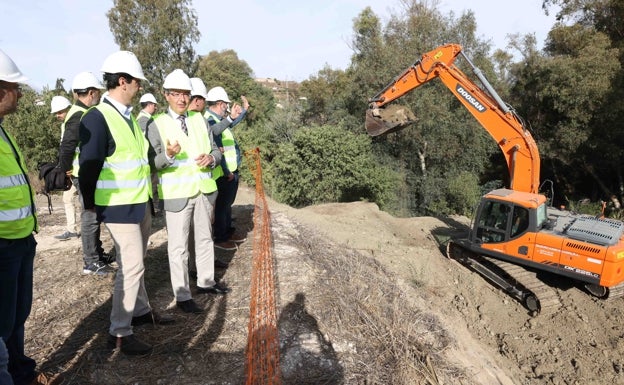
(74, 108)
(229, 149)
(17, 218)
(183, 178)
(125, 175)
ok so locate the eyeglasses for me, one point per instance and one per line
(176, 95)
(12, 86)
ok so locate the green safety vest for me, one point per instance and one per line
(143, 114)
(183, 178)
(229, 149)
(74, 108)
(17, 208)
(218, 170)
(125, 175)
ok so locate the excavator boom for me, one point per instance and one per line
(499, 120)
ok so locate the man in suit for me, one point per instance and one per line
(184, 153)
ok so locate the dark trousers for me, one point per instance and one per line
(222, 228)
(89, 232)
(16, 292)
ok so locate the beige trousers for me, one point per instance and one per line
(199, 210)
(70, 209)
(129, 294)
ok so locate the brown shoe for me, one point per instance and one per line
(129, 345)
(227, 245)
(153, 318)
(48, 379)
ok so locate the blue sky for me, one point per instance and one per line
(277, 38)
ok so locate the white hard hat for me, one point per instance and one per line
(85, 80)
(9, 71)
(148, 98)
(59, 103)
(216, 94)
(177, 80)
(198, 88)
(123, 62)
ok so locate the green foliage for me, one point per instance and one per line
(161, 34)
(36, 130)
(330, 164)
(463, 193)
(225, 69)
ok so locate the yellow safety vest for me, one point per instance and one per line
(229, 149)
(74, 108)
(218, 170)
(183, 178)
(125, 175)
(17, 208)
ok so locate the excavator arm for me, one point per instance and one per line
(498, 119)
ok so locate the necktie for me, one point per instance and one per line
(183, 124)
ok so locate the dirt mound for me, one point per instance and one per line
(364, 297)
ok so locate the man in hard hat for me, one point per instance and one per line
(18, 222)
(198, 96)
(87, 91)
(59, 106)
(149, 105)
(115, 185)
(198, 104)
(184, 154)
(221, 119)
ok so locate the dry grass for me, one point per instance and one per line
(343, 319)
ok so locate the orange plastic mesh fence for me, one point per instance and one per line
(262, 367)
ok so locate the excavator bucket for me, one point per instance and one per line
(393, 118)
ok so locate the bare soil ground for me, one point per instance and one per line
(364, 298)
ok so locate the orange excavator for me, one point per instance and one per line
(514, 234)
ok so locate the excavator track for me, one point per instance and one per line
(610, 294)
(518, 282)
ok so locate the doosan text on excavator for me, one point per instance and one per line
(514, 233)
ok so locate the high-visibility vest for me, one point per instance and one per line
(125, 175)
(218, 170)
(229, 149)
(17, 199)
(74, 108)
(143, 114)
(183, 178)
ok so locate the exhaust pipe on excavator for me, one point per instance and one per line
(393, 118)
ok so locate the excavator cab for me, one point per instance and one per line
(494, 216)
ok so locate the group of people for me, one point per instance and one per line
(112, 160)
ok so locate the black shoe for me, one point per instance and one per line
(67, 236)
(97, 268)
(189, 306)
(129, 345)
(153, 318)
(220, 264)
(216, 289)
(109, 259)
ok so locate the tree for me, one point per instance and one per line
(225, 69)
(572, 94)
(446, 142)
(160, 33)
(36, 130)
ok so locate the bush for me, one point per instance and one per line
(330, 164)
